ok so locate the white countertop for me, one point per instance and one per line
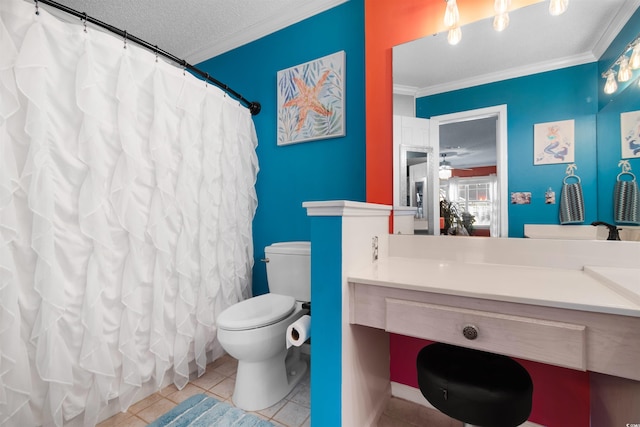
(597, 290)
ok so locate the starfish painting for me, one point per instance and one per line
(311, 100)
(307, 99)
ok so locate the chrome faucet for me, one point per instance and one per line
(613, 230)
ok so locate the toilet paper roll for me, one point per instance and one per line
(299, 331)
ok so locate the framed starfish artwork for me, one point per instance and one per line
(311, 100)
(554, 142)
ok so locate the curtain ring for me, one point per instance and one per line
(206, 81)
(125, 39)
(37, 10)
(156, 53)
(85, 21)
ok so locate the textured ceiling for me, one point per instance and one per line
(196, 30)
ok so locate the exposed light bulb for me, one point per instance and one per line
(501, 6)
(558, 7)
(624, 71)
(610, 86)
(454, 36)
(451, 14)
(444, 173)
(501, 21)
(634, 62)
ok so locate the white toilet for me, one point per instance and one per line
(254, 330)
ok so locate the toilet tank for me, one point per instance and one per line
(289, 269)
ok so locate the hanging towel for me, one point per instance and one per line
(626, 200)
(571, 202)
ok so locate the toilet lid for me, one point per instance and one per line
(255, 312)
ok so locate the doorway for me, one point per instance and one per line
(498, 223)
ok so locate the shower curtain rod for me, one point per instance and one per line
(254, 107)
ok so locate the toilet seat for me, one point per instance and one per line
(256, 312)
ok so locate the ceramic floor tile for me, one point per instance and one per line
(387, 421)
(301, 395)
(156, 409)
(188, 391)
(404, 413)
(433, 417)
(224, 389)
(144, 403)
(292, 414)
(227, 368)
(170, 389)
(271, 411)
(219, 361)
(403, 410)
(133, 422)
(293, 411)
(208, 379)
(115, 420)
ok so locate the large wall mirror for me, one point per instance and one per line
(484, 96)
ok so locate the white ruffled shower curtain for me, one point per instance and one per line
(127, 192)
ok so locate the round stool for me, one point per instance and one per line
(475, 387)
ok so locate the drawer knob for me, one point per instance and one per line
(470, 332)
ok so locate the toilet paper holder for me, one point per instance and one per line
(307, 306)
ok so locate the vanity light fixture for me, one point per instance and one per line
(624, 70)
(451, 14)
(501, 20)
(610, 86)
(558, 7)
(628, 61)
(454, 36)
(634, 62)
(452, 22)
(501, 6)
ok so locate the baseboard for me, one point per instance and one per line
(412, 394)
(378, 410)
(409, 393)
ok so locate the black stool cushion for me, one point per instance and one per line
(475, 387)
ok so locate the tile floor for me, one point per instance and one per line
(293, 411)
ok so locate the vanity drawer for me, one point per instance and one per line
(552, 342)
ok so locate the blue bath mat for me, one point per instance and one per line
(204, 411)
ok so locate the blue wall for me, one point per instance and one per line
(626, 98)
(331, 169)
(326, 351)
(568, 93)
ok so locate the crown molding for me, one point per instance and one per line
(619, 21)
(512, 73)
(264, 28)
(404, 90)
